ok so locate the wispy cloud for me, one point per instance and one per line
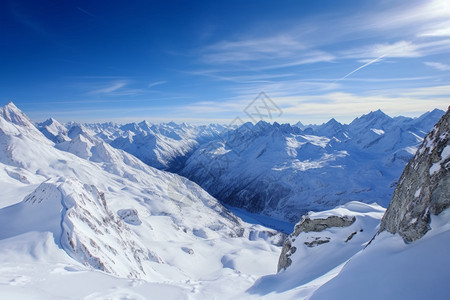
(28, 21)
(85, 12)
(438, 66)
(112, 87)
(400, 49)
(153, 84)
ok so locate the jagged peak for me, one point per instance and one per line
(332, 121)
(371, 117)
(11, 105)
(433, 113)
(11, 113)
(49, 122)
(376, 114)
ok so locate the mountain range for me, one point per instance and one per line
(277, 170)
(81, 218)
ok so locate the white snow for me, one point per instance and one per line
(417, 193)
(445, 153)
(377, 131)
(435, 168)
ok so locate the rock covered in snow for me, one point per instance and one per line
(424, 187)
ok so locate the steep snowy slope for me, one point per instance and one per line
(109, 211)
(283, 171)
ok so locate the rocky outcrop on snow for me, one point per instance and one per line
(129, 216)
(311, 225)
(424, 187)
(82, 224)
(321, 242)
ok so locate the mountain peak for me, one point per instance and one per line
(375, 118)
(377, 113)
(12, 114)
(333, 121)
(11, 105)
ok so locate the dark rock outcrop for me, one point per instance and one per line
(310, 225)
(424, 187)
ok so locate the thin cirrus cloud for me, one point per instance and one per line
(108, 89)
(156, 83)
(438, 66)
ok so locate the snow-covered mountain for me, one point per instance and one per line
(163, 146)
(83, 206)
(283, 171)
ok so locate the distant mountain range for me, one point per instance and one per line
(279, 170)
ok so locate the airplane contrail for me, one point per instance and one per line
(363, 66)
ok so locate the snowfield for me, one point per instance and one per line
(81, 219)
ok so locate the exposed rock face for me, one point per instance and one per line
(130, 216)
(310, 225)
(424, 187)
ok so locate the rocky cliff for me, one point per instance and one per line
(424, 187)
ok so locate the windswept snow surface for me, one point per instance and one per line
(64, 233)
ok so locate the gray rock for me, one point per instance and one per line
(129, 216)
(424, 187)
(310, 225)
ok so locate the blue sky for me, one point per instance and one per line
(205, 62)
